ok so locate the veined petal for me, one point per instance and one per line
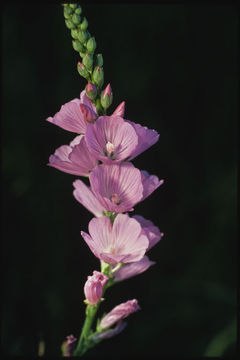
(133, 269)
(117, 187)
(111, 130)
(85, 196)
(150, 230)
(150, 183)
(146, 138)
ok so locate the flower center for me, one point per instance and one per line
(112, 251)
(110, 149)
(115, 199)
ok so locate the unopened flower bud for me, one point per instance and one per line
(91, 45)
(69, 24)
(82, 70)
(76, 19)
(73, 6)
(120, 110)
(88, 114)
(84, 24)
(91, 91)
(74, 33)
(82, 36)
(93, 287)
(99, 60)
(77, 46)
(78, 10)
(98, 76)
(106, 97)
(88, 61)
(67, 11)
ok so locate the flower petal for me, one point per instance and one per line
(85, 196)
(133, 269)
(150, 230)
(150, 183)
(146, 138)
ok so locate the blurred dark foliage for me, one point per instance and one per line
(176, 68)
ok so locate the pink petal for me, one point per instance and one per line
(112, 182)
(113, 130)
(120, 110)
(85, 196)
(119, 312)
(86, 101)
(146, 138)
(133, 269)
(150, 230)
(74, 159)
(150, 183)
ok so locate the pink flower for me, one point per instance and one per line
(117, 187)
(74, 158)
(119, 312)
(121, 242)
(150, 183)
(111, 139)
(120, 110)
(146, 138)
(75, 115)
(93, 287)
(85, 196)
(133, 269)
(150, 230)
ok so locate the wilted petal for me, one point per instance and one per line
(133, 269)
(74, 159)
(85, 196)
(93, 287)
(150, 183)
(112, 332)
(150, 230)
(119, 312)
(117, 187)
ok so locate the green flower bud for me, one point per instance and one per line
(99, 60)
(82, 70)
(84, 24)
(91, 45)
(82, 54)
(70, 24)
(78, 10)
(106, 97)
(88, 61)
(74, 34)
(73, 6)
(76, 19)
(91, 91)
(67, 11)
(82, 36)
(98, 76)
(77, 45)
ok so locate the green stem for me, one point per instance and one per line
(81, 346)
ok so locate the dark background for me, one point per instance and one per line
(176, 68)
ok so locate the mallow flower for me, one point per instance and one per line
(115, 188)
(120, 242)
(74, 158)
(111, 139)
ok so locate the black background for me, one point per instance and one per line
(175, 66)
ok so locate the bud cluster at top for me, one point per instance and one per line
(91, 66)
